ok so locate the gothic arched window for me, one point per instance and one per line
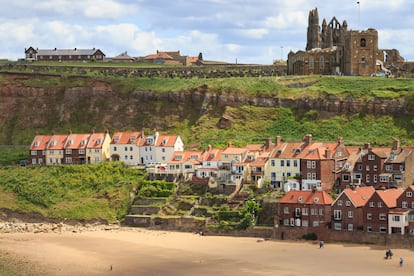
(310, 62)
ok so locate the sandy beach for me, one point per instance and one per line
(135, 251)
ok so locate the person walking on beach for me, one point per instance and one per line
(321, 244)
(401, 261)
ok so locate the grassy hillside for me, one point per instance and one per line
(198, 124)
(73, 192)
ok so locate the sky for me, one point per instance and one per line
(242, 31)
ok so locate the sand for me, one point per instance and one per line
(135, 251)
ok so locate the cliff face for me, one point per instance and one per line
(27, 109)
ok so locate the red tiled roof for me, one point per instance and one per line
(185, 156)
(40, 142)
(234, 150)
(56, 142)
(307, 197)
(96, 140)
(122, 138)
(166, 140)
(389, 196)
(159, 55)
(360, 195)
(76, 141)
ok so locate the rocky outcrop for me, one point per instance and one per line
(105, 105)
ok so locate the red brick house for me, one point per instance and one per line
(305, 209)
(317, 163)
(365, 166)
(377, 209)
(347, 209)
(75, 149)
(38, 150)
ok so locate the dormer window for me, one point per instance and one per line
(99, 141)
(132, 138)
(300, 199)
(212, 155)
(37, 143)
(83, 142)
(116, 139)
(164, 141)
(297, 151)
(149, 140)
(70, 142)
(178, 157)
(316, 200)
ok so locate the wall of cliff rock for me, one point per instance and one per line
(98, 104)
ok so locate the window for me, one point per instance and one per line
(409, 194)
(345, 177)
(81, 151)
(286, 210)
(131, 157)
(350, 214)
(359, 167)
(321, 62)
(311, 63)
(314, 212)
(401, 168)
(379, 204)
(375, 178)
(382, 216)
(404, 205)
(297, 211)
(126, 148)
(126, 157)
(97, 159)
(395, 218)
(305, 211)
(286, 222)
(375, 168)
(371, 204)
(321, 212)
(69, 160)
(383, 178)
(388, 168)
(315, 223)
(163, 149)
(68, 151)
(363, 42)
(33, 152)
(338, 226)
(367, 168)
(363, 60)
(272, 163)
(369, 216)
(367, 178)
(295, 163)
(337, 214)
(348, 203)
(383, 229)
(282, 163)
(350, 227)
(287, 163)
(339, 202)
(369, 228)
(130, 148)
(309, 164)
(115, 149)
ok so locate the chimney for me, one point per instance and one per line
(75, 48)
(268, 142)
(229, 144)
(209, 147)
(55, 49)
(142, 133)
(278, 140)
(69, 131)
(106, 131)
(340, 140)
(367, 145)
(396, 144)
(308, 139)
